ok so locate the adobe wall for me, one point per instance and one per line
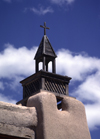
(42, 120)
(70, 123)
(17, 121)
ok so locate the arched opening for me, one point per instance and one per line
(50, 66)
(46, 65)
(40, 65)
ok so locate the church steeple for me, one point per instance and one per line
(44, 80)
(45, 53)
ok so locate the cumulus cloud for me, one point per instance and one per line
(90, 88)
(14, 62)
(7, 99)
(60, 2)
(1, 86)
(41, 10)
(85, 70)
(78, 65)
(93, 115)
(14, 65)
(89, 92)
(18, 63)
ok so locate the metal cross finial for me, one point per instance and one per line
(44, 28)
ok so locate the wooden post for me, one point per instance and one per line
(54, 66)
(67, 90)
(46, 66)
(42, 83)
(36, 66)
(44, 63)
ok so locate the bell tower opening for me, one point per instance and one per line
(50, 66)
(40, 65)
(59, 103)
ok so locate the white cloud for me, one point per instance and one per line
(7, 99)
(15, 64)
(89, 91)
(89, 88)
(60, 2)
(41, 10)
(1, 86)
(18, 63)
(93, 115)
(13, 82)
(15, 61)
(85, 70)
(76, 65)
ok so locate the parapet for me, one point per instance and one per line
(17, 121)
(41, 119)
(68, 123)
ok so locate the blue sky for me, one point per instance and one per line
(75, 36)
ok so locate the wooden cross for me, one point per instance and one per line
(44, 28)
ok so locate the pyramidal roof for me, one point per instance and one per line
(45, 48)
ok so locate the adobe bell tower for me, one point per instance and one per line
(43, 79)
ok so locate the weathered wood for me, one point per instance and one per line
(45, 53)
(46, 81)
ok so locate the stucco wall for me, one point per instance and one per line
(18, 121)
(42, 120)
(70, 123)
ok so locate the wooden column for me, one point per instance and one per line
(44, 63)
(54, 66)
(36, 66)
(46, 66)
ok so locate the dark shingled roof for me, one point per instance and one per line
(45, 48)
